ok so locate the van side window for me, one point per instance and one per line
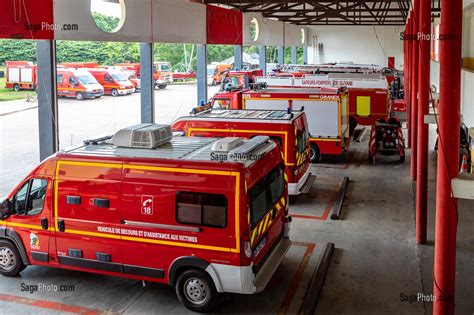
(108, 78)
(59, 78)
(29, 199)
(301, 140)
(36, 196)
(72, 80)
(201, 209)
(19, 200)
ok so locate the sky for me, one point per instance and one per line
(106, 8)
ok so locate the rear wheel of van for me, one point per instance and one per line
(315, 154)
(16, 88)
(10, 260)
(196, 290)
(79, 96)
(114, 92)
(162, 86)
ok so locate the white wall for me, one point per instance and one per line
(434, 74)
(358, 44)
(467, 97)
(467, 92)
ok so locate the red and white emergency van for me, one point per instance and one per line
(162, 72)
(288, 130)
(77, 83)
(326, 109)
(204, 215)
(369, 94)
(21, 75)
(114, 82)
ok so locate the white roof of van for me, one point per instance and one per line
(178, 148)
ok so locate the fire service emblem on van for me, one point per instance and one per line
(34, 241)
(147, 205)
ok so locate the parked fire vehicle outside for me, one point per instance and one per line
(288, 130)
(164, 71)
(129, 74)
(326, 110)
(21, 75)
(215, 73)
(183, 76)
(114, 82)
(204, 215)
(369, 94)
(133, 78)
(77, 83)
(79, 64)
(161, 72)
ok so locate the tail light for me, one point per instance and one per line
(248, 249)
(246, 252)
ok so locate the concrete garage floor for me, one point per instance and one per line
(376, 258)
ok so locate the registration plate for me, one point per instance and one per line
(259, 247)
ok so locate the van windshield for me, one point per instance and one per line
(87, 79)
(119, 77)
(264, 195)
(210, 71)
(165, 67)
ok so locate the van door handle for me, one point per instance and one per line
(61, 226)
(44, 223)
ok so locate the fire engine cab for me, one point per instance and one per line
(204, 215)
(326, 110)
(288, 130)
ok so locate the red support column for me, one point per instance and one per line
(407, 76)
(448, 156)
(414, 89)
(423, 109)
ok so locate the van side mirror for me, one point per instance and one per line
(6, 208)
(76, 84)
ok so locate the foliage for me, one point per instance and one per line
(17, 50)
(104, 22)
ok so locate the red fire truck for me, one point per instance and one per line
(369, 94)
(21, 75)
(326, 110)
(197, 213)
(288, 130)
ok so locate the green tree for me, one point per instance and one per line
(104, 22)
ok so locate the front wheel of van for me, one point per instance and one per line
(79, 96)
(196, 290)
(10, 260)
(114, 92)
